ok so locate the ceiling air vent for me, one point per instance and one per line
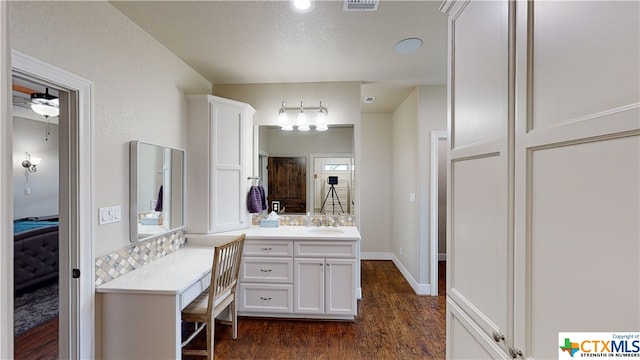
(361, 5)
(369, 100)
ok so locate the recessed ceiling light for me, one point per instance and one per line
(408, 45)
(302, 6)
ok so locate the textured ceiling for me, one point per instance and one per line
(251, 42)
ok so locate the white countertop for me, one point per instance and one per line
(170, 274)
(175, 272)
(286, 233)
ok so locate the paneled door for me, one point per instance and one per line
(288, 183)
(577, 171)
(479, 172)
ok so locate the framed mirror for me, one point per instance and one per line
(320, 155)
(156, 190)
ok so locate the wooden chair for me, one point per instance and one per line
(221, 293)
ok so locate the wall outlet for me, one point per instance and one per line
(275, 206)
(27, 191)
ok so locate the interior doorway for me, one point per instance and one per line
(36, 212)
(438, 206)
(287, 184)
(76, 258)
(333, 189)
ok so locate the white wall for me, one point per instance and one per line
(138, 89)
(29, 136)
(377, 170)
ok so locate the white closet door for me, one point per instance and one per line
(578, 171)
(478, 268)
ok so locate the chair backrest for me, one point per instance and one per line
(226, 267)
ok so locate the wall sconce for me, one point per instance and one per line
(302, 121)
(30, 164)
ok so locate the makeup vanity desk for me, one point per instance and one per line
(140, 312)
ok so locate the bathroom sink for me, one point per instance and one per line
(326, 230)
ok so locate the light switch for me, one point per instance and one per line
(108, 215)
(412, 197)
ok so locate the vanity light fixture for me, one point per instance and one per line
(302, 6)
(31, 163)
(303, 122)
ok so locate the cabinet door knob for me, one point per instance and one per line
(498, 336)
(265, 298)
(514, 352)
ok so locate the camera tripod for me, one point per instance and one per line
(332, 191)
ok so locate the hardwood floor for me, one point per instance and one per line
(38, 343)
(392, 323)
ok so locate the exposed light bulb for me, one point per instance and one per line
(301, 5)
(302, 121)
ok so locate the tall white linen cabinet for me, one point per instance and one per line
(544, 174)
(219, 163)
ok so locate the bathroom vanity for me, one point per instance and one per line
(297, 271)
(288, 272)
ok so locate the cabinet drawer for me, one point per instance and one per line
(270, 270)
(266, 298)
(192, 292)
(268, 248)
(333, 249)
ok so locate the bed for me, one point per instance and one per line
(35, 252)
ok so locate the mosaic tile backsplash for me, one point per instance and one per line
(136, 255)
(301, 220)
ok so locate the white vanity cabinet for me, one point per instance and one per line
(219, 143)
(266, 277)
(299, 278)
(325, 278)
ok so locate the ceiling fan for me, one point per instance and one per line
(43, 104)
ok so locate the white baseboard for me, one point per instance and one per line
(442, 257)
(420, 289)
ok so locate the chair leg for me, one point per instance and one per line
(211, 326)
(234, 320)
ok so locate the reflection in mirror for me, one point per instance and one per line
(327, 153)
(156, 190)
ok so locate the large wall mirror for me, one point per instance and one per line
(156, 190)
(307, 171)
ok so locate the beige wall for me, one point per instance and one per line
(342, 99)
(138, 89)
(422, 112)
(376, 185)
(433, 117)
(404, 230)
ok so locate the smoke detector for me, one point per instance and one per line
(361, 5)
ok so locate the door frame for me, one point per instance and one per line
(436, 136)
(311, 181)
(77, 299)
